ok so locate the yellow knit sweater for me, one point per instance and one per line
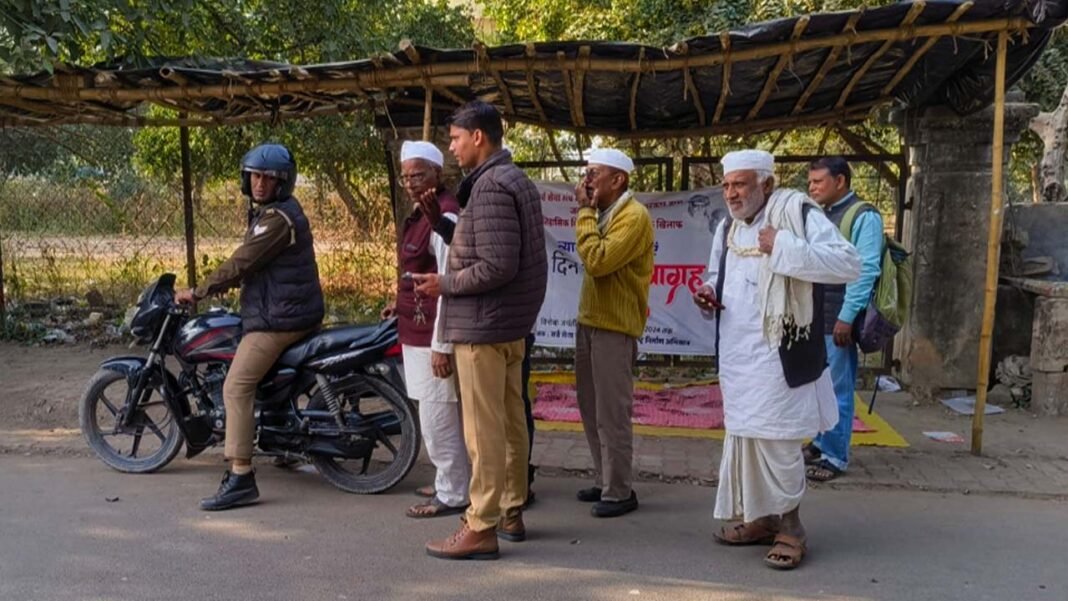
(619, 266)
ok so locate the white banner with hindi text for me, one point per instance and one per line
(683, 223)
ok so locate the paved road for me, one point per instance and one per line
(61, 539)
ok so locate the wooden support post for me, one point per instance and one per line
(3, 299)
(725, 79)
(187, 208)
(993, 246)
(828, 63)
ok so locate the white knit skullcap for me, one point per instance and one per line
(421, 150)
(610, 157)
(748, 160)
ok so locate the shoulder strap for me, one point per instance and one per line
(851, 214)
(721, 274)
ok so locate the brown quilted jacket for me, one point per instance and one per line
(497, 267)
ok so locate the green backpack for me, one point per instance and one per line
(891, 298)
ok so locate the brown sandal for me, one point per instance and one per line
(433, 509)
(745, 533)
(426, 491)
(786, 553)
(811, 454)
(822, 471)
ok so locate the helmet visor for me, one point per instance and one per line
(280, 175)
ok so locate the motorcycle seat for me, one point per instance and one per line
(327, 340)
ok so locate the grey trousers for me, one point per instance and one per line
(604, 363)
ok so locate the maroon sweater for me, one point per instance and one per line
(414, 256)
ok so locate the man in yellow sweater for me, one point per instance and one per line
(614, 236)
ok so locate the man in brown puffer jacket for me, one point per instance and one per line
(492, 295)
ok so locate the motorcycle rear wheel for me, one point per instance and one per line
(395, 452)
(154, 433)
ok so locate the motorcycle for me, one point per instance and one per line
(335, 399)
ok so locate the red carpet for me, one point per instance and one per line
(699, 407)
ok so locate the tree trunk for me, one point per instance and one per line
(1053, 129)
(347, 193)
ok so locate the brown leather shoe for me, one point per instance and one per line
(511, 527)
(465, 543)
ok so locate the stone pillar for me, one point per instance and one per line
(946, 228)
(1049, 357)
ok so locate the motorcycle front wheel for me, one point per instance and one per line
(151, 440)
(395, 437)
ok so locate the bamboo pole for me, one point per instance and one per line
(392, 76)
(993, 246)
(428, 113)
(579, 80)
(773, 77)
(506, 96)
(569, 91)
(531, 88)
(725, 80)
(690, 88)
(830, 61)
(556, 153)
(632, 112)
(917, 55)
(187, 208)
(910, 17)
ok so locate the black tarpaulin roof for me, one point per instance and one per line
(819, 69)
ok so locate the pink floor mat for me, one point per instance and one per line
(698, 407)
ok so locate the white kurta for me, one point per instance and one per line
(757, 401)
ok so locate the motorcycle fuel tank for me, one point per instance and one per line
(211, 336)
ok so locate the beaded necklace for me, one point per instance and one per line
(741, 251)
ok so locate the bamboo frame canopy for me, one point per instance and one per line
(813, 70)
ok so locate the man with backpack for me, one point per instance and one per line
(829, 184)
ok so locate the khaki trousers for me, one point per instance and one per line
(604, 383)
(495, 429)
(255, 356)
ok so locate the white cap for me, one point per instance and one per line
(421, 150)
(610, 157)
(751, 160)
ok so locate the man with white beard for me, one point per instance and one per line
(768, 262)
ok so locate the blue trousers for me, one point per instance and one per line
(834, 443)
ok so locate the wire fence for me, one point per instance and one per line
(75, 242)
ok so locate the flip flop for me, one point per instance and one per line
(433, 509)
(786, 552)
(426, 491)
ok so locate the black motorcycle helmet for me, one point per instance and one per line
(273, 160)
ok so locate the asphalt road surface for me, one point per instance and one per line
(70, 528)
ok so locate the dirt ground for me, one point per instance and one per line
(40, 387)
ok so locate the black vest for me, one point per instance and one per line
(284, 296)
(834, 295)
(803, 361)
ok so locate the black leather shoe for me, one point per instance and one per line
(612, 509)
(234, 491)
(589, 495)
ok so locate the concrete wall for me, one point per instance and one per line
(949, 191)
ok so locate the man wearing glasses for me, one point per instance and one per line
(428, 368)
(614, 238)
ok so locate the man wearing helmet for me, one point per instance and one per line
(281, 302)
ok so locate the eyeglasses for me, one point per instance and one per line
(590, 173)
(414, 178)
